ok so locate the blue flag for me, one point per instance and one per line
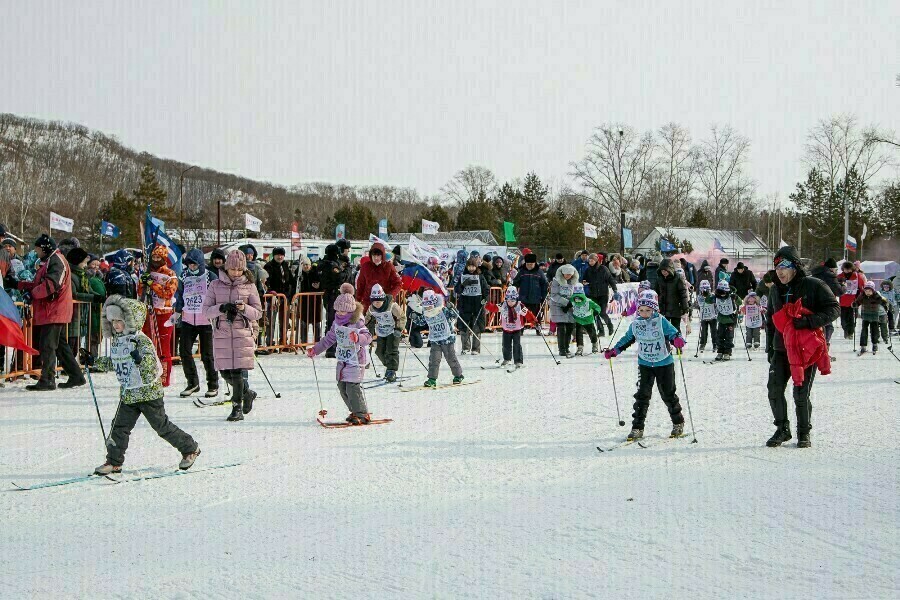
(108, 229)
(718, 245)
(154, 234)
(340, 231)
(665, 245)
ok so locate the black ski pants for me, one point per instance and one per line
(868, 326)
(564, 336)
(387, 349)
(236, 378)
(154, 411)
(53, 345)
(512, 346)
(779, 379)
(187, 335)
(665, 383)
(602, 302)
(848, 320)
(726, 338)
(579, 334)
(709, 329)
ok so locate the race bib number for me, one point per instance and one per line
(438, 327)
(161, 279)
(346, 350)
(725, 306)
(384, 323)
(471, 285)
(707, 311)
(127, 373)
(194, 291)
(764, 301)
(651, 341)
(753, 316)
(582, 311)
(852, 286)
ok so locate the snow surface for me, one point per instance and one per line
(493, 490)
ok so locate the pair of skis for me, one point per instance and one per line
(124, 477)
(641, 442)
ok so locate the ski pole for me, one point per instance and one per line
(615, 393)
(613, 337)
(745, 340)
(88, 360)
(541, 333)
(699, 335)
(686, 399)
(322, 411)
(460, 319)
(372, 361)
(261, 370)
(416, 356)
(403, 365)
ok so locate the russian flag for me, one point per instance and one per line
(850, 244)
(11, 325)
(415, 276)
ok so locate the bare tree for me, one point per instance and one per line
(469, 184)
(675, 175)
(838, 146)
(720, 169)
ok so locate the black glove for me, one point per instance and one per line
(228, 307)
(802, 323)
(26, 297)
(136, 354)
(86, 357)
(567, 307)
(146, 278)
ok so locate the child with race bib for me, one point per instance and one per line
(654, 334)
(348, 332)
(441, 338)
(139, 372)
(388, 320)
(727, 304)
(754, 315)
(706, 302)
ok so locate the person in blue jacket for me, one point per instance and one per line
(532, 285)
(654, 334)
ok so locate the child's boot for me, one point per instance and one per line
(187, 460)
(390, 376)
(595, 347)
(579, 351)
(677, 430)
(635, 434)
(108, 468)
(458, 379)
(430, 383)
(237, 413)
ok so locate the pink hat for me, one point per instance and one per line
(870, 285)
(345, 303)
(236, 260)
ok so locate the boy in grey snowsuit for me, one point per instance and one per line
(440, 337)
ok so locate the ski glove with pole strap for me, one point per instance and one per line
(611, 353)
(678, 342)
(311, 352)
(136, 354)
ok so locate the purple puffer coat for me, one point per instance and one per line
(345, 372)
(233, 343)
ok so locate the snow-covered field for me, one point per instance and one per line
(494, 490)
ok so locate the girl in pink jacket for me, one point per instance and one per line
(232, 306)
(352, 337)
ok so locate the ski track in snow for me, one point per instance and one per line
(488, 491)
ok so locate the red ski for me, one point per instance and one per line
(343, 424)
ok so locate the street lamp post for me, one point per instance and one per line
(181, 200)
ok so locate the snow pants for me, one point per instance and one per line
(848, 320)
(512, 346)
(726, 338)
(475, 322)
(665, 383)
(448, 351)
(779, 378)
(752, 336)
(163, 342)
(387, 349)
(867, 326)
(352, 395)
(154, 411)
(602, 302)
(709, 329)
(52, 346)
(591, 331)
(187, 335)
(564, 336)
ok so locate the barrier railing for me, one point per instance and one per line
(307, 312)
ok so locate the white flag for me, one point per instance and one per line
(61, 223)
(590, 231)
(419, 250)
(430, 226)
(251, 222)
(865, 230)
(783, 244)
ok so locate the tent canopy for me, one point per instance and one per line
(880, 269)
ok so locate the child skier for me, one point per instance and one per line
(893, 298)
(726, 315)
(472, 292)
(583, 311)
(388, 320)
(440, 337)
(349, 333)
(139, 372)
(513, 316)
(708, 323)
(753, 319)
(653, 334)
(873, 313)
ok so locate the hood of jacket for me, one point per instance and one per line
(566, 270)
(121, 260)
(196, 256)
(704, 264)
(251, 248)
(135, 314)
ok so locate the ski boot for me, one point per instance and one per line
(187, 460)
(476, 352)
(874, 351)
(579, 351)
(464, 352)
(520, 365)
(726, 357)
(719, 357)
(635, 435)
(861, 351)
(249, 397)
(595, 348)
(702, 349)
(458, 379)
(803, 440)
(430, 383)
(355, 419)
(756, 345)
(191, 388)
(781, 435)
(677, 430)
(41, 386)
(212, 392)
(569, 354)
(748, 345)
(390, 376)
(72, 382)
(505, 362)
(237, 414)
(108, 468)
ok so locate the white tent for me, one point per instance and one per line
(880, 269)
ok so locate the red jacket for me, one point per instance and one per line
(369, 274)
(51, 291)
(853, 286)
(805, 347)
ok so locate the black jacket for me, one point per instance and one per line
(554, 266)
(673, 296)
(532, 285)
(471, 305)
(330, 275)
(742, 283)
(816, 297)
(599, 279)
(704, 275)
(281, 280)
(829, 278)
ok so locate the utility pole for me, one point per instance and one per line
(218, 224)
(800, 236)
(181, 199)
(846, 220)
(621, 206)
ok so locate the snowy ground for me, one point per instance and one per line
(493, 490)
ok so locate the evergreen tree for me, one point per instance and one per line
(887, 222)
(125, 213)
(698, 219)
(358, 221)
(478, 213)
(149, 193)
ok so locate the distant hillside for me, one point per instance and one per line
(67, 168)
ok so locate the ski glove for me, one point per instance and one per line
(617, 296)
(567, 307)
(611, 353)
(678, 342)
(311, 352)
(136, 354)
(146, 278)
(354, 337)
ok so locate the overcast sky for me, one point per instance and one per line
(407, 93)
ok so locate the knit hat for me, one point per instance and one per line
(236, 260)
(649, 298)
(870, 285)
(45, 243)
(577, 289)
(644, 285)
(740, 265)
(346, 288)
(76, 256)
(377, 292)
(159, 254)
(559, 256)
(432, 300)
(704, 285)
(114, 312)
(8, 242)
(278, 250)
(787, 254)
(749, 295)
(216, 254)
(511, 293)
(723, 285)
(304, 260)
(830, 263)
(345, 303)
(530, 258)
(723, 261)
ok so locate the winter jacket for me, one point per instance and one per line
(584, 309)
(690, 271)
(804, 347)
(99, 290)
(815, 296)
(852, 287)
(389, 306)
(163, 285)
(234, 342)
(280, 280)
(81, 291)
(721, 273)
(369, 274)
(459, 266)
(553, 268)
(192, 289)
(705, 275)
(330, 274)
(138, 381)
(496, 277)
(51, 291)
(345, 371)
(829, 277)
(672, 291)
(258, 272)
(668, 331)
(892, 295)
(650, 272)
(514, 318)
(724, 302)
(451, 316)
(472, 292)
(872, 308)
(532, 285)
(561, 293)
(598, 279)
(622, 275)
(741, 283)
(580, 266)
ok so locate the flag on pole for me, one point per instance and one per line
(717, 245)
(61, 223)
(108, 229)
(626, 237)
(430, 226)
(509, 231)
(296, 240)
(666, 246)
(850, 243)
(382, 228)
(11, 325)
(865, 230)
(590, 231)
(154, 235)
(252, 223)
(340, 231)
(421, 251)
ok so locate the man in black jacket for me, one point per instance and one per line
(331, 276)
(532, 285)
(792, 284)
(673, 296)
(742, 280)
(280, 281)
(827, 272)
(599, 279)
